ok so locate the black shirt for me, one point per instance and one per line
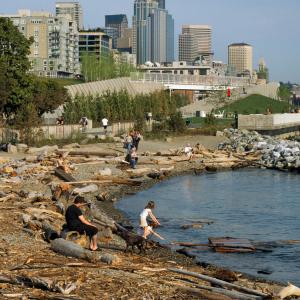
(72, 217)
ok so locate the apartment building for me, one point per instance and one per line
(74, 9)
(94, 43)
(54, 52)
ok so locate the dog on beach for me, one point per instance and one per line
(132, 240)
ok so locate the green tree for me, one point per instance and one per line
(284, 92)
(14, 64)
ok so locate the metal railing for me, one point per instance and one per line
(178, 79)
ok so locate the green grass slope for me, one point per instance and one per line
(257, 104)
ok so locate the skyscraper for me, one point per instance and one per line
(73, 9)
(119, 22)
(195, 43)
(153, 32)
(162, 4)
(240, 56)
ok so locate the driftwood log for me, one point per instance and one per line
(231, 294)
(71, 249)
(39, 283)
(101, 153)
(68, 248)
(220, 283)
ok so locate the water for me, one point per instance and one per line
(261, 205)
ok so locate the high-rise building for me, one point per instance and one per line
(94, 43)
(240, 57)
(74, 9)
(124, 43)
(195, 44)
(153, 32)
(54, 51)
(113, 33)
(119, 22)
(162, 4)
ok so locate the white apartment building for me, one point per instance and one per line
(54, 51)
(240, 58)
(74, 9)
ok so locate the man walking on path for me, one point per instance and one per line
(104, 124)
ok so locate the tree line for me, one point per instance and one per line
(120, 106)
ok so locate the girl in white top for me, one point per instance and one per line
(147, 211)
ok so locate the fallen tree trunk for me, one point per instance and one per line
(39, 283)
(231, 294)
(67, 248)
(101, 153)
(220, 282)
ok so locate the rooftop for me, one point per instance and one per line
(239, 44)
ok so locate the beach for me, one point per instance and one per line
(130, 276)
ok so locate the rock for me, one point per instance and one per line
(109, 259)
(102, 137)
(168, 140)
(105, 172)
(117, 139)
(73, 145)
(219, 133)
(7, 170)
(31, 158)
(46, 150)
(194, 226)
(87, 189)
(12, 149)
(90, 136)
(22, 148)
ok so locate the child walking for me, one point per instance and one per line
(147, 211)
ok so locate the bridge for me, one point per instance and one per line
(191, 82)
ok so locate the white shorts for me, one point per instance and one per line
(143, 222)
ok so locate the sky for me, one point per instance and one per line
(272, 27)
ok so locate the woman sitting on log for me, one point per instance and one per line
(77, 222)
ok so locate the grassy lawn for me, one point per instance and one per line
(201, 122)
(257, 104)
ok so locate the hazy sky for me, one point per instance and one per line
(272, 27)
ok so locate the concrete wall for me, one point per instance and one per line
(67, 131)
(278, 124)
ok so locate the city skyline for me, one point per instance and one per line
(267, 25)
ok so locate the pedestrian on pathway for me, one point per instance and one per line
(104, 124)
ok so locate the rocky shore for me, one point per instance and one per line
(275, 153)
(34, 196)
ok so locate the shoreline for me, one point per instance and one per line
(137, 268)
(110, 207)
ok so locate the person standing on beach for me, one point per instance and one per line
(147, 211)
(77, 222)
(136, 139)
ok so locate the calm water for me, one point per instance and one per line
(261, 205)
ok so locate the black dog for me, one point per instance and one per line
(132, 240)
